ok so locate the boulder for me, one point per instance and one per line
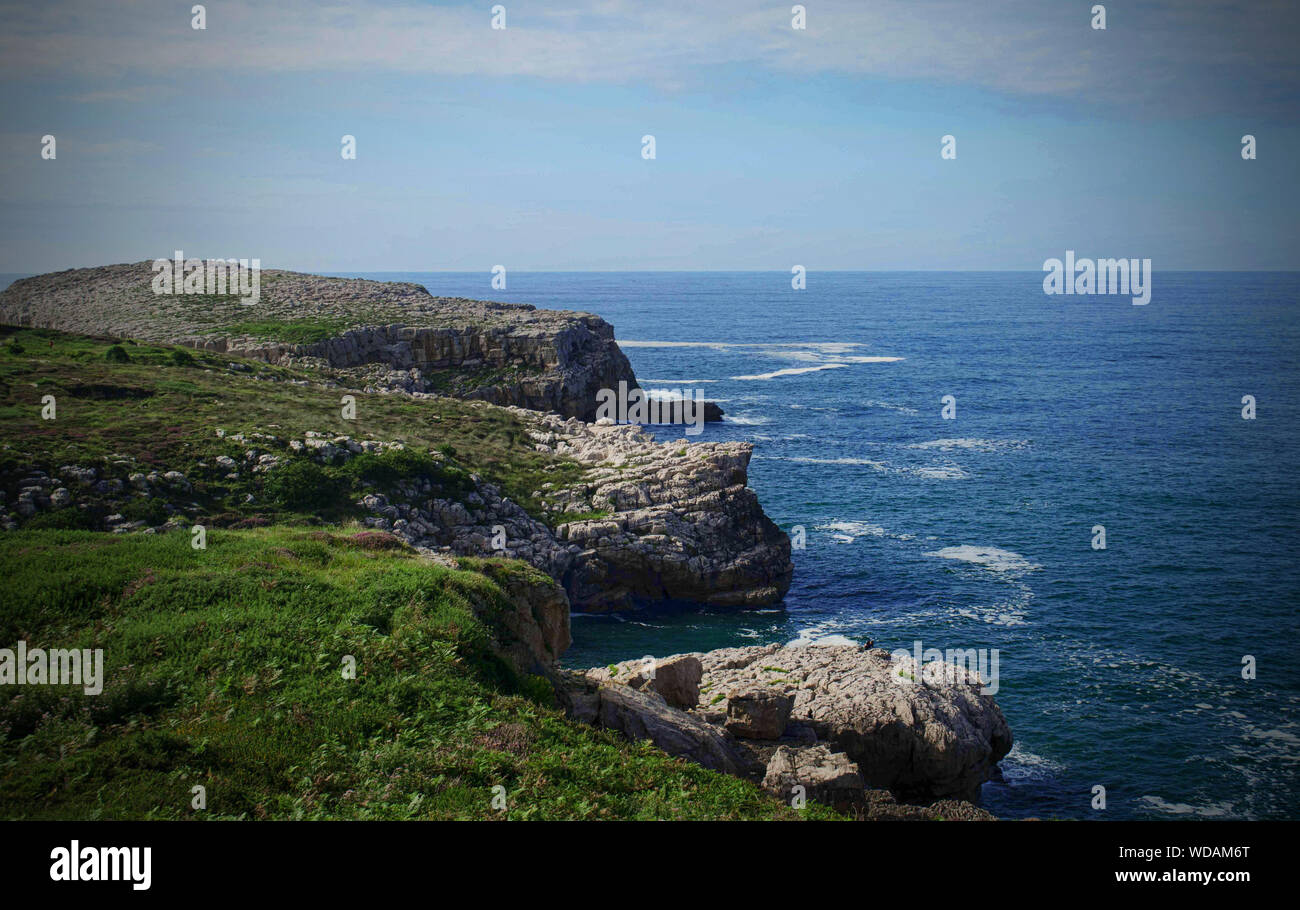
(645, 715)
(941, 738)
(676, 679)
(760, 714)
(827, 777)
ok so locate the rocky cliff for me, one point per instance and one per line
(642, 522)
(676, 522)
(382, 334)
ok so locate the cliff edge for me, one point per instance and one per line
(377, 333)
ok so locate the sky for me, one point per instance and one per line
(774, 146)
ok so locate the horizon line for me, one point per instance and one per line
(488, 271)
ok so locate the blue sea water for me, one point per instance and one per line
(1119, 667)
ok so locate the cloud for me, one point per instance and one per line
(1174, 55)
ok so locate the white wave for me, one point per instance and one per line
(794, 371)
(1006, 613)
(937, 472)
(815, 356)
(931, 472)
(991, 558)
(669, 394)
(719, 345)
(1023, 765)
(853, 529)
(745, 419)
(970, 445)
(807, 459)
(814, 638)
(824, 347)
(1213, 810)
(675, 382)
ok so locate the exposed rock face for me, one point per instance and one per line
(827, 777)
(644, 715)
(942, 738)
(758, 715)
(676, 679)
(515, 354)
(534, 631)
(680, 523)
(543, 365)
(851, 711)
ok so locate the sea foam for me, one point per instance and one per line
(991, 558)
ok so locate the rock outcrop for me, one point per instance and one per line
(838, 720)
(921, 740)
(644, 715)
(383, 333)
(677, 523)
(533, 629)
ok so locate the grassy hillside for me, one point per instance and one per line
(124, 407)
(224, 669)
(224, 665)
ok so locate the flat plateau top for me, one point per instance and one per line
(291, 306)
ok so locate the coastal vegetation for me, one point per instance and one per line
(225, 670)
(166, 408)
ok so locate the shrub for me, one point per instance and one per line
(396, 465)
(65, 519)
(117, 354)
(301, 484)
(149, 510)
(376, 540)
(182, 358)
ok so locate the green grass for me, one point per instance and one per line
(165, 414)
(223, 669)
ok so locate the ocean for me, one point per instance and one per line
(1120, 668)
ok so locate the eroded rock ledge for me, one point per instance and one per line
(847, 723)
(676, 522)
